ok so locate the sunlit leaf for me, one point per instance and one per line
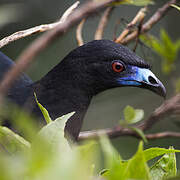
(43, 110)
(165, 48)
(49, 146)
(54, 132)
(140, 133)
(132, 115)
(164, 167)
(177, 7)
(113, 163)
(88, 153)
(137, 167)
(151, 153)
(134, 2)
(11, 141)
(111, 155)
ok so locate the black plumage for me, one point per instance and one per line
(19, 91)
(71, 84)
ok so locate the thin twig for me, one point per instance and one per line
(69, 11)
(150, 23)
(139, 32)
(37, 29)
(153, 136)
(168, 108)
(140, 15)
(79, 33)
(163, 135)
(115, 29)
(102, 23)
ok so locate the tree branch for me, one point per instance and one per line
(169, 107)
(160, 13)
(153, 136)
(79, 33)
(140, 15)
(163, 135)
(37, 29)
(102, 23)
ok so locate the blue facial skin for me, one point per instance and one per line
(136, 76)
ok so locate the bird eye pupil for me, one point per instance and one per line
(117, 67)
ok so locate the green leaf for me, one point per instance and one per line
(11, 141)
(54, 132)
(177, 7)
(155, 152)
(43, 110)
(112, 157)
(50, 148)
(134, 2)
(88, 153)
(137, 167)
(142, 2)
(164, 167)
(165, 48)
(132, 115)
(140, 133)
(113, 163)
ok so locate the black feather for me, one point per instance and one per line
(104, 50)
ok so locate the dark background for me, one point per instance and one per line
(106, 108)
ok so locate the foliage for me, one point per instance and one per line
(165, 48)
(11, 141)
(43, 110)
(164, 167)
(132, 116)
(177, 7)
(51, 156)
(136, 167)
(134, 2)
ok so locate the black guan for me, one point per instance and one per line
(86, 71)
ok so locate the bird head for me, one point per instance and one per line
(90, 69)
(103, 64)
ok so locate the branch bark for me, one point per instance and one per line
(79, 37)
(169, 107)
(140, 16)
(37, 29)
(160, 13)
(163, 135)
(102, 23)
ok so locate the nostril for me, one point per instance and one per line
(152, 80)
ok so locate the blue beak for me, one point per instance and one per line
(144, 78)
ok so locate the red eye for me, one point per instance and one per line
(117, 67)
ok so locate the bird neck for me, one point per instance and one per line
(66, 97)
(61, 95)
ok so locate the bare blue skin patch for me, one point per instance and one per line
(136, 76)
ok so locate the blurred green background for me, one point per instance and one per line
(106, 108)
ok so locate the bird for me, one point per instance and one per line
(85, 72)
